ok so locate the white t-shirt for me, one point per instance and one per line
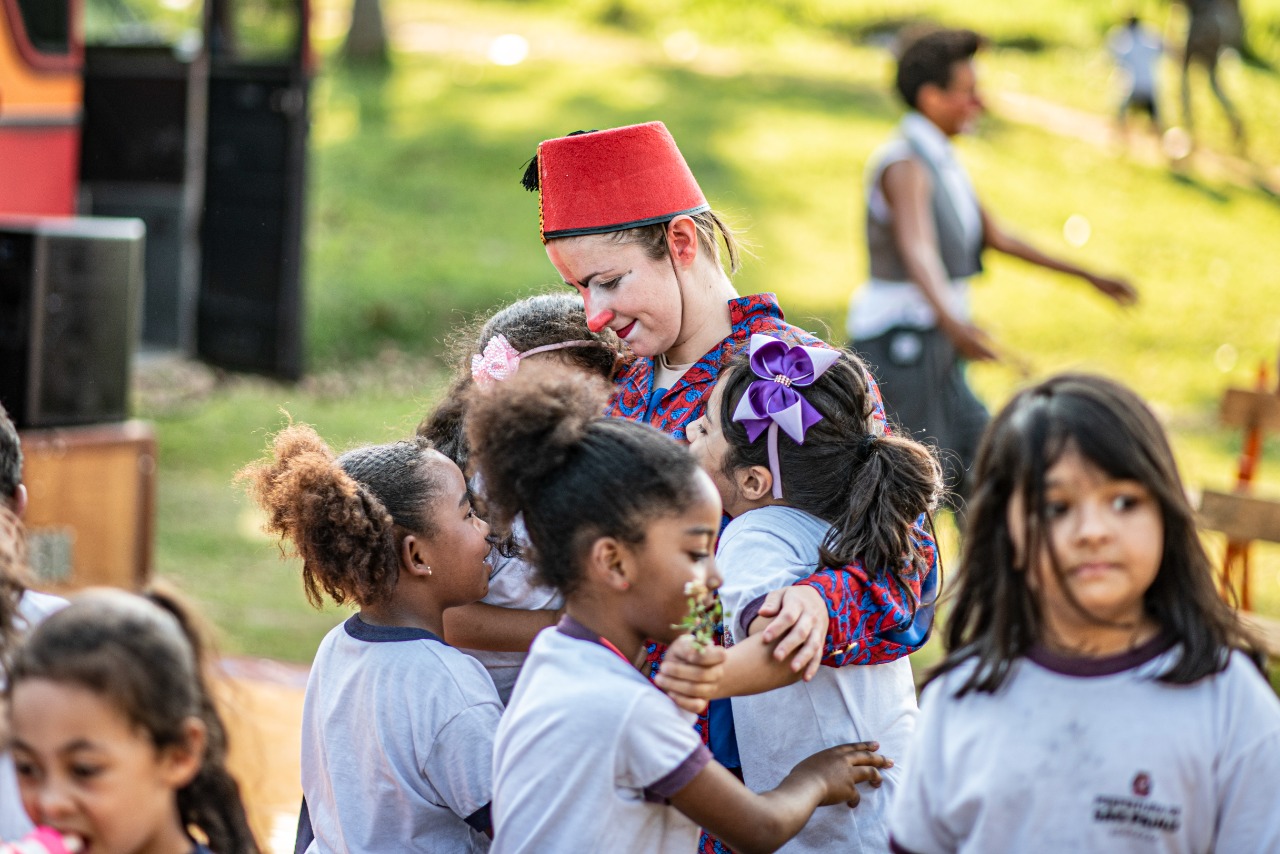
(14, 824)
(1093, 756)
(397, 742)
(1136, 51)
(512, 585)
(588, 752)
(768, 549)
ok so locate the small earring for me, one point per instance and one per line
(626, 585)
(428, 570)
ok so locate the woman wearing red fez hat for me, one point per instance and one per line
(626, 224)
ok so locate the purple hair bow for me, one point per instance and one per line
(774, 400)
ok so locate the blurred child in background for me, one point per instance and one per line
(1136, 50)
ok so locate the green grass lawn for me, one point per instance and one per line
(417, 222)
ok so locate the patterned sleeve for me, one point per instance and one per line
(872, 621)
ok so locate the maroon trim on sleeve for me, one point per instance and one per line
(749, 613)
(898, 849)
(481, 820)
(663, 790)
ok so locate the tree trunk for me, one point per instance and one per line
(366, 42)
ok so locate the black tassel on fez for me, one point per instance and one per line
(530, 178)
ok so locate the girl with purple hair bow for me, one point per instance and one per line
(813, 482)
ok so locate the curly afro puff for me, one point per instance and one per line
(346, 515)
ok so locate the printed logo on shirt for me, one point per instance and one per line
(1137, 816)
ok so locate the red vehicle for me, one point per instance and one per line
(40, 104)
(107, 123)
(202, 135)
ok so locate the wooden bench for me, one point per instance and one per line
(1241, 516)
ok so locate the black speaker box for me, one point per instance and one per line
(69, 306)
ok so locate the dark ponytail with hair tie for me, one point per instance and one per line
(872, 489)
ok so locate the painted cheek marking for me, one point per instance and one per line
(600, 321)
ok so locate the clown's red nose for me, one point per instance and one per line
(600, 321)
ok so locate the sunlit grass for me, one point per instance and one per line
(417, 221)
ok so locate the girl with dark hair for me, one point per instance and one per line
(1094, 696)
(590, 756)
(116, 740)
(811, 482)
(542, 329)
(397, 726)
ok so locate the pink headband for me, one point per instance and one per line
(500, 361)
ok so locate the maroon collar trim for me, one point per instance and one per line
(1071, 665)
(572, 628)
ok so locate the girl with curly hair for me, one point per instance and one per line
(397, 730)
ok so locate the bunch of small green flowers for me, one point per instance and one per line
(705, 613)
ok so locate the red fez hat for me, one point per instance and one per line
(608, 180)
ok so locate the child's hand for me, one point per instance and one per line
(800, 620)
(690, 674)
(841, 768)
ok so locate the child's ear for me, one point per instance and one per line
(180, 763)
(754, 482)
(607, 564)
(414, 556)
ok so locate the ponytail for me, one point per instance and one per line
(211, 801)
(872, 489)
(341, 514)
(895, 482)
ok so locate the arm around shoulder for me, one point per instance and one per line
(494, 628)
